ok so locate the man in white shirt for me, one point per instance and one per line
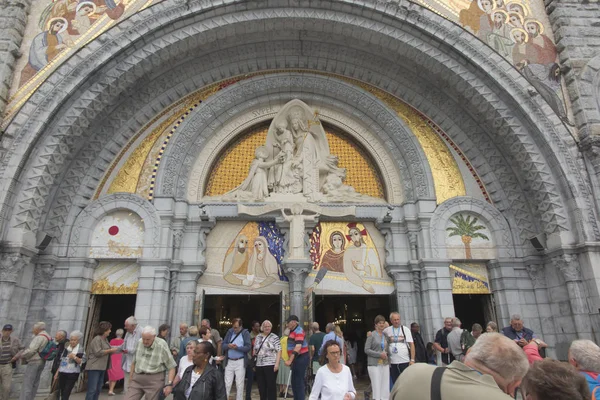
(132, 338)
(401, 341)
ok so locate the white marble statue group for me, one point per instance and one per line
(295, 160)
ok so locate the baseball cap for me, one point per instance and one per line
(7, 327)
(293, 318)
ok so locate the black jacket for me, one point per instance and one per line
(210, 386)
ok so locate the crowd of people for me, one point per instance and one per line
(199, 364)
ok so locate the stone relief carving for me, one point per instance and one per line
(568, 266)
(296, 160)
(537, 274)
(11, 265)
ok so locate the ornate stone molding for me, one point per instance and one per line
(467, 84)
(537, 274)
(569, 266)
(11, 266)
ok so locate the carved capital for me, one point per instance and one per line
(42, 275)
(537, 274)
(11, 265)
(177, 238)
(296, 273)
(568, 266)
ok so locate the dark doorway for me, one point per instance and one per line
(220, 310)
(472, 308)
(114, 308)
(355, 316)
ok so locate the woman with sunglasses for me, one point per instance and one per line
(201, 380)
(334, 379)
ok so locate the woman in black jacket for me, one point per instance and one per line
(202, 381)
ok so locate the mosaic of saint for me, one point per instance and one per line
(345, 250)
(254, 258)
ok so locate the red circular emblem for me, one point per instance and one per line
(113, 230)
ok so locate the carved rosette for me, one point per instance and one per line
(42, 275)
(568, 266)
(11, 265)
(537, 275)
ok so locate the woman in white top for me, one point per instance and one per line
(333, 380)
(267, 350)
(71, 360)
(185, 362)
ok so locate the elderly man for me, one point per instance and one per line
(402, 347)
(61, 339)
(454, 340)
(152, 358)
(441, 341)
(214, 336)
(330, 335)
(297, 349)
(129, 346)
(584, 355)
(236, 347)
(517, 332)
(492, 370)
(35, 364)
(9, 349)
(176, 341)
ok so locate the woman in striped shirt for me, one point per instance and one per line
(267, 350)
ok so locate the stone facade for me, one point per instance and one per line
(542, 176)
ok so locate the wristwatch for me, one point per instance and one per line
(169, 383)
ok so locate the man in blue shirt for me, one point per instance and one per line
(236, 346)
(330, 335)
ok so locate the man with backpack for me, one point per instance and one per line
(41, 349)
(584, 355)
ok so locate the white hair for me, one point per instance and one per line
(76, 334)
(150, 330)
(516, 317)
(499, 354)
(119, 333)
(587, 355)
(330, 327)
(39, 326)
(456, 323)
(266, 322)
(131, 320)
(184, 324)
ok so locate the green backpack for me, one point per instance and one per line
(466, 341)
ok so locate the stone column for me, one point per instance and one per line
(11, 268)
(405, 294)
(436, 295)
(571, 271)
(537, 274)
(504, 285)
(297, 271)
(184, 296)
(42, 276)
(153, 292)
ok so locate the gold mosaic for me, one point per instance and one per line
(233, 165)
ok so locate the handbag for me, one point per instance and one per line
(252, 361)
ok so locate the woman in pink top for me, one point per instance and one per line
(532, 350)
(115, 373)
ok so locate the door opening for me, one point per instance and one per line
(220, 310)
(474, 308)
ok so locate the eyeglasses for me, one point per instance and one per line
(333, 353)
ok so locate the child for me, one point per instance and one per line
(431, 356)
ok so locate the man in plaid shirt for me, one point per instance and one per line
(151, 360)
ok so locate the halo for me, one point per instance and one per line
(522, 4)
(500, 11)
(535, 21)
(512, 36)
(85, 3)
(518, 15)
(63, 20)
(491, 1)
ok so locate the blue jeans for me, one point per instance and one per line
(95, 382)
(298, 372)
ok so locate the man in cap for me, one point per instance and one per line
(297, 349)
(9, 348)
